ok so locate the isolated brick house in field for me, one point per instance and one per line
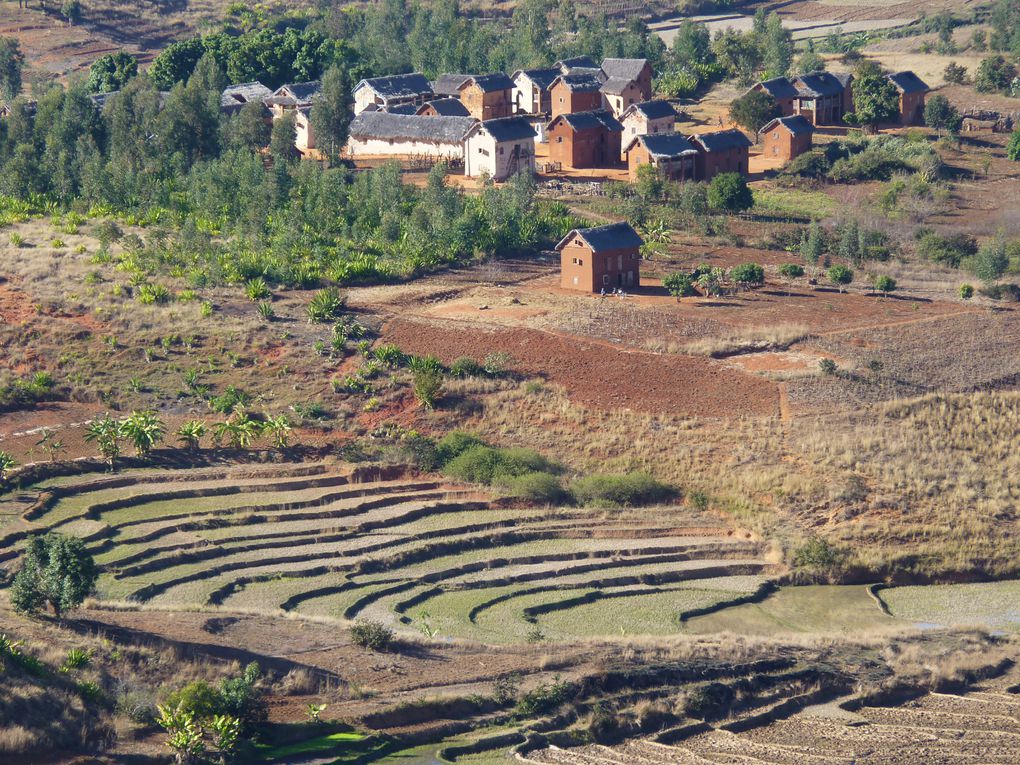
(500, 147)
(722, 152)
(648, 118)
(619, 93)
(782, 90)
(233, 99)
(572, 93)
(912, 90)
(602, 258)
(388, 91)
(637, 70)
(670, 153)
(531, 94)
(488, 96)
(585, 139)
(786, 137)
(443, 107)
(823, 98)
(378, 133)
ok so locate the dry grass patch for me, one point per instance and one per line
(748, 339)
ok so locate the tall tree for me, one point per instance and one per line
(56, 571)
(875, 97)
(942, 115)
(330, 114)
(12, 61)
(753, 110)
(777, 44)
(111, 72)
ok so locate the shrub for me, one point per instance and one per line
(885, 284)
(542, 699)
(326, 305)
(994, 75)
(679, 285)
(257, 290)
(966, 291)
(840, 276)
(375, 636)
(729, 191)
(949, 250)
(954, 73)
(465, 366)
(265, 311)
(428, 387)
(152, 294)
(454, 443)
(197, 698)
(827, 367)
(1013, 147)
(817, 554)
(709, 702)
(486, 464)
(990, 262)
(538, 487)
(629, 490)
(748, 275)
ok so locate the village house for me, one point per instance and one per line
(500, 147)
(585, 139)
(388, 91)
(723, 152)
(619, 93)
(823, 98)
(448, 85)
(304, 136)
(584, 63)
(234, 98)
(531, 94)
(636, 70)
(912, 90)
(488, 96)
(669, 153)
(648, 118)
(378, 133)
(786, 137)
(443, 107)
(782, 90)
(575, 93)
(599, 259)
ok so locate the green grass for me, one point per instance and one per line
(352, 746)
(993, 605)
(793, 202)
(830, 609)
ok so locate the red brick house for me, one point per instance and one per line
(786, 137)
(585, 139)
(782, 90)
(912, 90)
(648, 118)
(572, 93)
(603, 258)
(636, 70)
(670, 153)
(488, 96)
(823, 98)
(723, 152)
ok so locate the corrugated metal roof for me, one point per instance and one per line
(386, 126)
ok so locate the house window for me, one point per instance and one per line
(500, 149)
(574, 261)
(559, 139)
(483, 151)
(609, 263)
(605, 278)
(619, 262)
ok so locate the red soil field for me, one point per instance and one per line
(601, 375)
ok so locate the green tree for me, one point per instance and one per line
(729, 191)
(753, 110)
(282, 138)
(875, 98)
(12, 61)
(71, 10)
(777, 47)
(994, 75)
(746, 275)
(840, 276)
(679, 285)
(966, 291)
(849, 246)
(738, 54)
(111, 72)
(812, 245)
(175, 63)
(105, 433)
(247, 130)
(428, 387)
(692, 44)
(56, 571)
(990, 262)
(330, 115)
(942, 115)
(954, 73)
(885, 284)
(144, 430)
(790, 272)
(809, 61)
(1013, 147)
(184, 733)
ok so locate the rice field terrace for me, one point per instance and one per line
(388, 544)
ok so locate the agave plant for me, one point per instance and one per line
(326, 305)
(257, 290)
(265, 311)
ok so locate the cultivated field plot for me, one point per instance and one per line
(993, 605)
(385, 543)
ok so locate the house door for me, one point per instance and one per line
(619, 280)
(630, 278)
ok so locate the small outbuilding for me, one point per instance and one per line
(395, 89)
(726, 151)
(572, 93)
(603, 258)
(669, 153)
(233, 99)
(648, 118)
(532, 94)
(786, 137)
(443, 107)
(488, 96)
(636, 70)
(500, 147)
(912, 91)
(585, 139)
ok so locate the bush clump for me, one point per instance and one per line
(375, 636)
(628, 490)
(537, 487)
(488, 465)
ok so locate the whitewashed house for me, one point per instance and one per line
(390, 91)
(377, 133)
(648, 118)
(500, 147)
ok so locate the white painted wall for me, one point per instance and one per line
(378, 146)
(483, 155)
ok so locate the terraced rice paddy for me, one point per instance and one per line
(402, 548)
(982, 726)
(993, 605)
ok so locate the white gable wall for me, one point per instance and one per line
(483, 154)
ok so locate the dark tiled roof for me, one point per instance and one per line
(410, 127)
(908, 82)
(724, 140)
(398, 85)
(779, 88)
(816, 84)
(401, 109)
(615, 85)
(449, 84)
(583, 62)
(491, 82)
(600, 118)
(653, 110)
(303, 92)
(508, 128)
(664, 144)
(542, 77)
(614, 236)
(797, 124)
(580, 83)
(446, 107)
(627, 68)
(237, 96)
